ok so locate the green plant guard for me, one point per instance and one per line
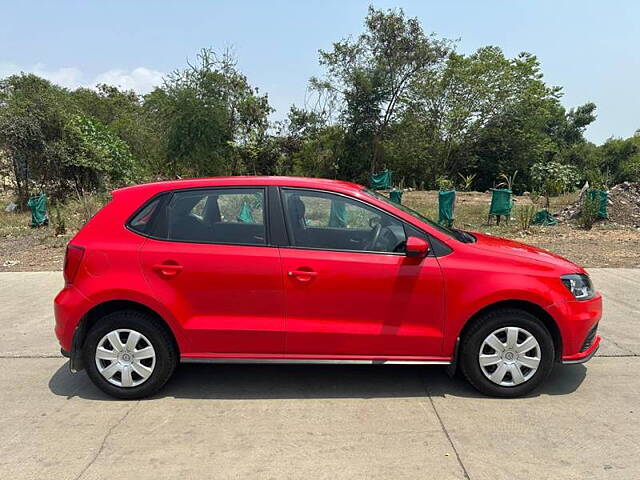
(246, 215)
(501, 203)
(38, 206)
(338, 215)
(382, 180)
(396, 196)
(603, 198)
(446, 203)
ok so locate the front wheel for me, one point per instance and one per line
(128, 355)
(507, 353)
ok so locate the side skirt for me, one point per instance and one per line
(311, 361)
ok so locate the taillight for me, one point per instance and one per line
(72, 259)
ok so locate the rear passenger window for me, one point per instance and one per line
(233, 216)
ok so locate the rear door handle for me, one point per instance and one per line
(303, 275)
(168, 269)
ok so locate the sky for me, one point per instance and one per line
(590, 48)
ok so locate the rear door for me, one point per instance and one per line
(350, 289)
(209, 261)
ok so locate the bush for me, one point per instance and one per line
(467, 182)
(443, 183)
(589, 211)
(525, 214)
(58, 220)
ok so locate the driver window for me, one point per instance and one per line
(333, 222)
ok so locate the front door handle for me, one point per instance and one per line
(303, 275)
(168, 269)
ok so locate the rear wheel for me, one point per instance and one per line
(128, 355)
(507, 353)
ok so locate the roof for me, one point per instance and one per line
(304, 182)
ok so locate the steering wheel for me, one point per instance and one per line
(374, 237)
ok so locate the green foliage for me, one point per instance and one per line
(589, 209)
(524, 215)
(534, 196)
(125, 114)
(508, 180)
(391, 97)
(467, 181)
(55, 148)
(59, 222)
(553, 178)
(630, 168)
(33, 114)
(212, 121)
(370, 77)
(94, 148)
(444, 183)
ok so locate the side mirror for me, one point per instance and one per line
(416, 247)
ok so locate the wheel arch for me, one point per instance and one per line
(100, 311)
(534, 309)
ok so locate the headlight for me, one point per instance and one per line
(579, 285)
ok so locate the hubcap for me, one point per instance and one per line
(125, 358)
(509, 356)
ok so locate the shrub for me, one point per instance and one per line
(443, 183)
(525, 214)
(467, 182)
(588, 211)
(58, 220)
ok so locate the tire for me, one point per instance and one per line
(504, 325)
(159, 361)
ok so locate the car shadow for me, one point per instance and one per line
(310, 381)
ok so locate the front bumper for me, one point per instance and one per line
(582, 357)
(577, 322)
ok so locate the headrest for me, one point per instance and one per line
(296, 207)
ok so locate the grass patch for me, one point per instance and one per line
(74, 213)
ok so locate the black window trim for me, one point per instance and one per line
(317, 190)
(169, 196)
(166, 194)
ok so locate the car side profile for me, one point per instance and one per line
(301, 270)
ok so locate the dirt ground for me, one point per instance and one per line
(606, 245)
(31, 253)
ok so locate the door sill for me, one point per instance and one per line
(316, 361)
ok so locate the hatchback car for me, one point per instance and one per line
(300, 270)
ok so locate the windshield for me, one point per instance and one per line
(413, 213)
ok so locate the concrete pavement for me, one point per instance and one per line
(243, 421)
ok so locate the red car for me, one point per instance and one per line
(301, 270)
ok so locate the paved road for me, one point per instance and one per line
(315, 422)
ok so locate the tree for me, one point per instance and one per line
(209, 113)
(124, 113)
(52, 146)
(95, 154)
(33, 115)
(372, 73)
(621, 157)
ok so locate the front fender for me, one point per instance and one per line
(461, 312)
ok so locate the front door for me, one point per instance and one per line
(214, 270)
(349, 288)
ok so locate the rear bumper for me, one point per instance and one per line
(69, 306)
